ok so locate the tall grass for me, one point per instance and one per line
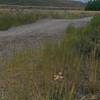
(61, 70)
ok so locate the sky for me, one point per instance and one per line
(82, 0)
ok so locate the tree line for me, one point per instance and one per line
(93, 5)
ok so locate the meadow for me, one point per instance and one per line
(67, 69)
(16, 17)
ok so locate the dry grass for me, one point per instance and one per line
(15, 17)
(61, 70)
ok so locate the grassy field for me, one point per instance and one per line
(61, 70)
(15, 17)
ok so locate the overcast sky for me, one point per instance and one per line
(82, 0)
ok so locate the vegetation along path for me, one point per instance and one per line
(27, 36)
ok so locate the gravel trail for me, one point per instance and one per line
(28, 36)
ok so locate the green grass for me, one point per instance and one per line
(60, 70)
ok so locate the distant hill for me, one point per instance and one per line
(57, 3)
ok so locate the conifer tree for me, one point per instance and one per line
(93, 5)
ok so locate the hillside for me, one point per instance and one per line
(58, 3)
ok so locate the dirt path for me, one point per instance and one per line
(28, 36)
(46, 26)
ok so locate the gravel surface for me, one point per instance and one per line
(28, 36)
